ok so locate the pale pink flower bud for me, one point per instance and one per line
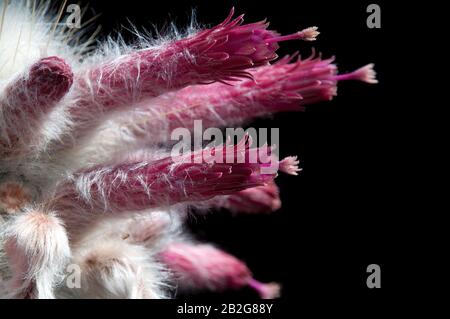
(223, 53)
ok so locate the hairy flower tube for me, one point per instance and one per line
(87, 178)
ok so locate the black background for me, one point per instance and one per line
(346, 210)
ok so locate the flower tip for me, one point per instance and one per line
(309, 34)
(364, 74)
(231, 13)
(275, 205)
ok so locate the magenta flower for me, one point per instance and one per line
(144, 184)
(259, 199)
(37, 91)
(86, 176)
(208, 268)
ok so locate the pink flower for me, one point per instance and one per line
(206, 267)
(287, 85)
(231, 45)
(71, 158)
(223, 53)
